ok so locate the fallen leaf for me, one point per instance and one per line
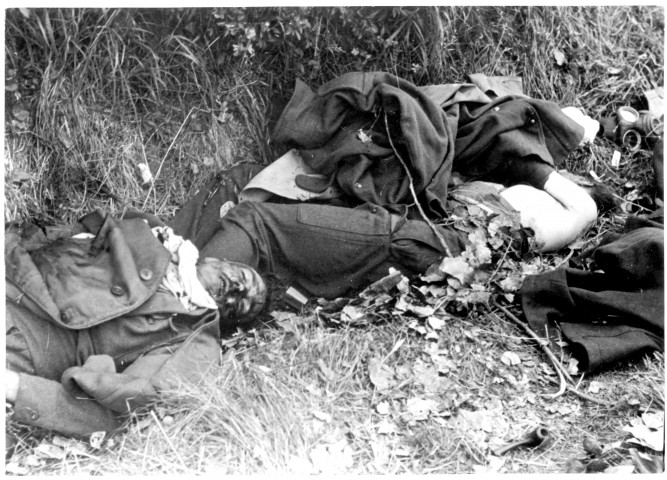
(420, 311)
(436, 323)
(654, 420)
(71, 446)
(510, 358)
(21, 112)
(594, 387)
(645, 463)
(458, 268)
(642, 435)
(419, 408)
(350, 313)
(417, 327)
(511, 283)
(427, 375)
(381, 375)
(50, 451)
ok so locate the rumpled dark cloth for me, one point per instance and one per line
(341, 132)
(611, 312)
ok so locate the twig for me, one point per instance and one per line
(157, 174)
(566, 259)
(559, 368)
(439, 236)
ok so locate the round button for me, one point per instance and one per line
(145, 274)
(532, 120)
(117, 290)
(66, 316)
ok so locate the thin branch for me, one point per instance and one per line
(157, 174)
(559, 368)
(439, 236)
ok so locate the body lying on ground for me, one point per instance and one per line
(90, 313)
(97, 326)
(366, 142)
(329, 250)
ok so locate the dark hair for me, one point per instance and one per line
(604, 197)
(275, 300)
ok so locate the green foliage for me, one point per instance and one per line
(320, 43)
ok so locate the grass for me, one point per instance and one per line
(109, 90)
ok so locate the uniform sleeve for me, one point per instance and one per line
(46, 404)
(92, 397)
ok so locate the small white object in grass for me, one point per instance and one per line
(616, 159)
(364, 137)
(96, 439)
(595, 176)
(383, 408)
(510, 358)
(594, 387)
(323, 416)
(146, 175)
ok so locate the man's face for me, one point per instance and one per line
(238, 290)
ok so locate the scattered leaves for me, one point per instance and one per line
(381, 375)
(649, 431)
(420, 408)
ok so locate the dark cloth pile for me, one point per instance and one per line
(611, 311)
(483, 129)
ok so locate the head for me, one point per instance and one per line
(239, 291)
(604, 197)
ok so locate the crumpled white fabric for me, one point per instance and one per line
(591, 126)
(181, 277)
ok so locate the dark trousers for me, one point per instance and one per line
(326, 250)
